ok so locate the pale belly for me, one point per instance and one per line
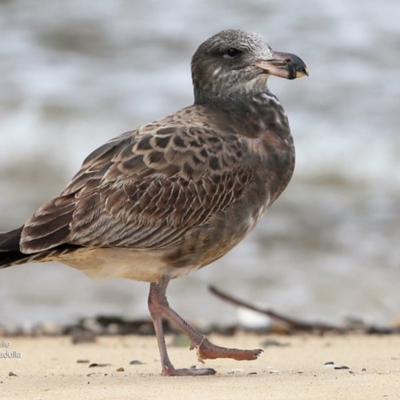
(124, 263)
(150, 266)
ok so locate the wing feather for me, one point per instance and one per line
(143, 189)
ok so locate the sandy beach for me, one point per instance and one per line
(297, 367)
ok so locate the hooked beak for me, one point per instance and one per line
(284, 65)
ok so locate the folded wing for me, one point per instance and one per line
(144, 190)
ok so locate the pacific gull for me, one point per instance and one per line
(172, 196)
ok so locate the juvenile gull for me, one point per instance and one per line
(172, 196)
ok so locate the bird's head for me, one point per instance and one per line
(233, 62)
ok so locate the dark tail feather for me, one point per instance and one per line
(13, 258)
(9, 248)
(9, 241)
(11, 255)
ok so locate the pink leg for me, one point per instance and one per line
(158, 306)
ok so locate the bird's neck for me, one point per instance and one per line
(252, 114)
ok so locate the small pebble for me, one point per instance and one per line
(120, 369)
(211, 370)
(236, 371)
(136, 362)
(82, 361)
(272, 342)
(331, 364)
(12, 374)
(98, 365)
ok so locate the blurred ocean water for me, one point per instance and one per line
(74, 74)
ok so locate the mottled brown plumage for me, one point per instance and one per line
(172, 196)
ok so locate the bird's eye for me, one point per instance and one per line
(232, 53)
